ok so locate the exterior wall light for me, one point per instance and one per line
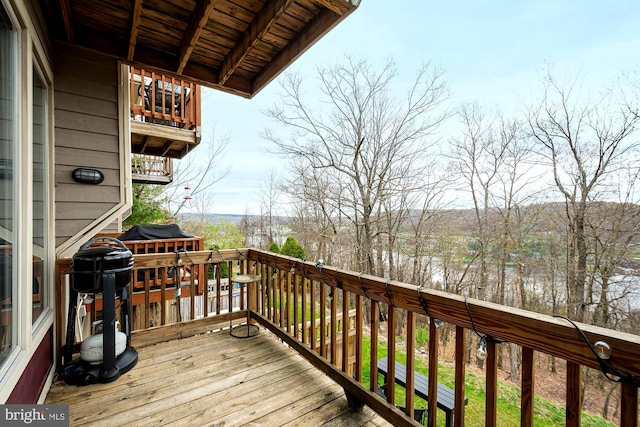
(87, 176)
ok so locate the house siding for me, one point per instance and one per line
(34, 377)
(86, 135)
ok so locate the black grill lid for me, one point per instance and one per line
(91, 263)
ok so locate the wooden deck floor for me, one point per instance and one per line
(215, 380)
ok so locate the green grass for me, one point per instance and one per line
(546, 413)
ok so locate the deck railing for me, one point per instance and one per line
(160, 99)
(291, 292)
(151, 168)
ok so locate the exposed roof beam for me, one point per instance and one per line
(135, 23)
(143, 144)
(315, 30)
(267, 16)
(199, 19)
(65, 9)
(338, 6)
(166, 148)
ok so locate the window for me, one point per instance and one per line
(39, 299)
(8, 186)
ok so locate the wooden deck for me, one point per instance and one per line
(215, 380)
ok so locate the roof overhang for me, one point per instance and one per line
(237, 46)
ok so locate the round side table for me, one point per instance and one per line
(248, 330)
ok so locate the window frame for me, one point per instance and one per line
(30, 57)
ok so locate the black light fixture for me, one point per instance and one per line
(87, 176)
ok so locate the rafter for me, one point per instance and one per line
(338, 6)
(143, 144)
(166, 148)
(198, 20)
(65, 9)
(135, 23)
(267, 16)
(323, 23)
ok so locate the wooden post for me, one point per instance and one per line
(492, 384)
(574, 394)
(461, 344)
(391, 354)
(433, 374)
(373, 382)
(527, 388)
(629, 406)
(411, 355)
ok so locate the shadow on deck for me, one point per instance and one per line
(215, 379)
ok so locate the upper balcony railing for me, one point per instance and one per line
(159, 99)
(147, 169)
(305, 305)
(165, 114)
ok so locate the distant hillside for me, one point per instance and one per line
(214, 218)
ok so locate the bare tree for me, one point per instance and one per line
(583, 142)
(367, 143)
(198, 175)
(478, 157)
(270, 197)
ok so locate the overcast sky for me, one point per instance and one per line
(491, 52)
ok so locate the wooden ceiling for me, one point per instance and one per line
(233, 45)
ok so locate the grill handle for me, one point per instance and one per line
(103, 239)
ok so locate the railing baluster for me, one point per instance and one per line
(346, 326)
(301, 314)
(391, 354)
(296, 298)
(527, 387)
(433, 373)
(375, 324)
(242, 288)
(192, 293)
(281, 297)
(152, 105)
(205, 289)
(218, 297)
(323, 319)
(461, 351)
(491, 385)
(411, 365)
(629, 405)
(359, 336)
(230, 288)
(574, 394)
(163, 296)
(287, 306)
(313, 332)
(333, 331)
(270, 300)
(147, 284)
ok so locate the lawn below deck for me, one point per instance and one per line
(214, 379)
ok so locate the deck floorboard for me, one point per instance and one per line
(214, 380)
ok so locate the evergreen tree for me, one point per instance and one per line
(274, 248)
(292, 248)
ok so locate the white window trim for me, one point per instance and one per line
(29, 336)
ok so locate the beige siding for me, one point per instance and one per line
(86, 135)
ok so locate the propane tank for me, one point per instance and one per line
(91, 349)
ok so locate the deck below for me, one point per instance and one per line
(215, 380)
